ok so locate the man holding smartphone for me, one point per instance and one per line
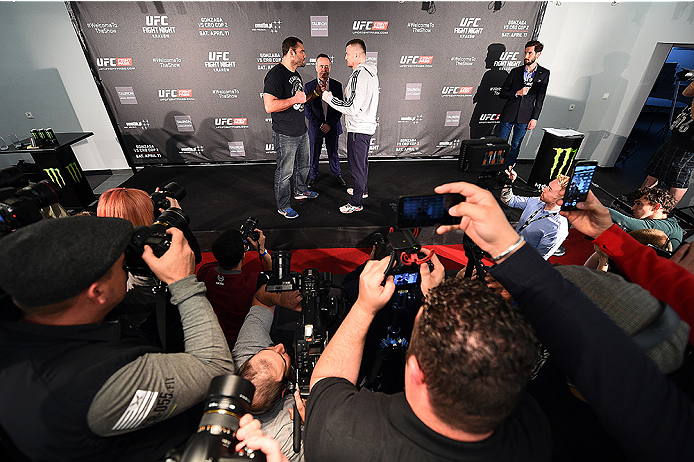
(540, 223)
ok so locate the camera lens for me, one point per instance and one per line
(228, 399)
(43, 193)
(160, 198)
(172, 217)
(176, 190)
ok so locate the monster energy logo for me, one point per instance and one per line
(75, 171)
(562, 161)
(55, 176)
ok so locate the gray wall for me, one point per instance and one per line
(44, 72)
(592, 49)
(604, 59)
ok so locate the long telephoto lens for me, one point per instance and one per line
(173, 217)
(228, 399)
(160, 198)
(43, 194)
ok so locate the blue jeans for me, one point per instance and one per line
(292, 160)
(518, 134)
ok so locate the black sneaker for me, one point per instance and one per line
(340, 181)
(310, 183)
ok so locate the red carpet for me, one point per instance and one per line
(343, 261)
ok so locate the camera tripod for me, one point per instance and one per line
(474, 257)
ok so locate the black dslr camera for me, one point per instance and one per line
(247, 230)
(160, 198)
(23, 207)
(228, 399)
(405, 258)
(154, 236)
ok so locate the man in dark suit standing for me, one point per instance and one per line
(323, 121)
(524, 89)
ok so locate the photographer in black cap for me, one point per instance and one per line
(77, 388)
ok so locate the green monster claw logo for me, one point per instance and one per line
(55, 176)
(568, 155)
(74, 171)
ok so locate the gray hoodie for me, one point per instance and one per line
(361, 100)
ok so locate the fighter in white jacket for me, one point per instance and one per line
(359, 106)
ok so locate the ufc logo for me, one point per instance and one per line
(175, 93)
(362, 25)
(469, 22)
(457, 90)
(416, 59)
(106, 62)
(509, 56)
(218, 55)
(156, 20)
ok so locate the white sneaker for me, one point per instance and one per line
(349, 208)
(350, 191)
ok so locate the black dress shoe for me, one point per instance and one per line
(560, 252)
(340, 181)
(310, 183)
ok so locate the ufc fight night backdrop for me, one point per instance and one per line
(184, 81)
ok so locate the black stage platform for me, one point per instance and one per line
(220, 197)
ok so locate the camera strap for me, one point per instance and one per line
(160, 311)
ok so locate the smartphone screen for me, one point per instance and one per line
(429, 210)
(579, 185)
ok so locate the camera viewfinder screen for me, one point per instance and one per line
(405, 278)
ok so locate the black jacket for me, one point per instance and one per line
(314, 111)
(49, 376)
(638, 406)
(522, 109)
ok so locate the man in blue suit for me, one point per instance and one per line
(524, 91)
(323, 121)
